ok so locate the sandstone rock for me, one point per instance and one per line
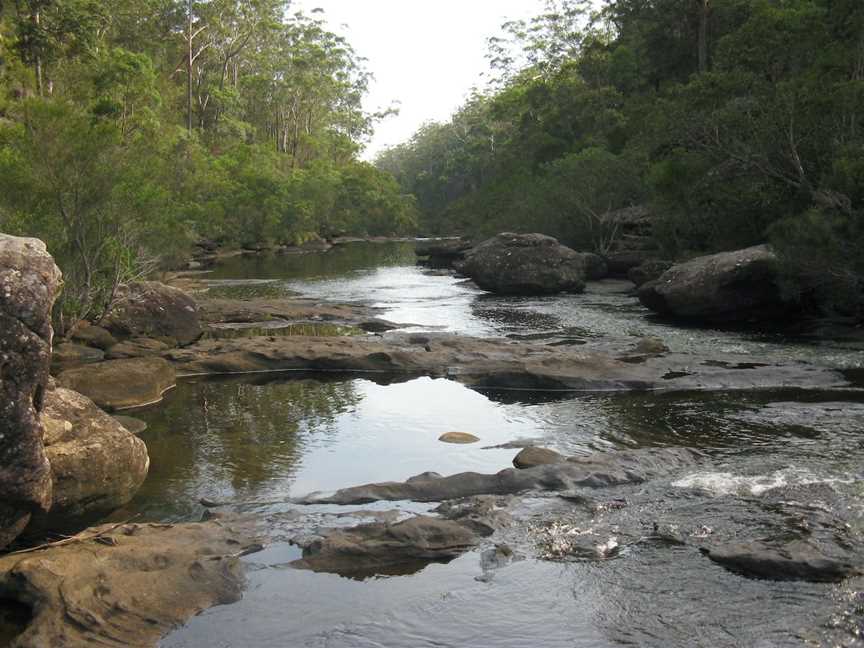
(496, 363)
(29, 283)
(648, 271)
(152, 309)
(94, 336)
(137, 348)
(458, 437)
(597, 471)
(128, 588)
(525, 264)
(97, 464)
(531, 457)
(381, 548)
(68, 355)
(728, 286)
(120, 384)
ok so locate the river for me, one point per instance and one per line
(259, 440)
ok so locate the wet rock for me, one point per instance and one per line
(134, 425)
(151, 309)
(525, 264)
(127, 585)
(137, 348)
(121, 384)
(68, 355)
(596, 267)
(648, 271)
(384, 548)
(531, 457)
(393, 546)
(29, 283)
(494, 363)
(97, 465)
(795, 532)
(596, 471)
(458, 438)
(794, 560)
(721, 287)
(93, 336)
(484, 514)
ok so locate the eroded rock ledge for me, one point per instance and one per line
(147, 579)
(495, 363)
(596, 471)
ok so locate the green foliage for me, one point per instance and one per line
(128, 129)
(738, 121)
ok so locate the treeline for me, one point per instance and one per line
(737, 121)
(131, 128)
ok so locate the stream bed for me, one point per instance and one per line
(258, 440)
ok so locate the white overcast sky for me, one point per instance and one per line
(425, 54)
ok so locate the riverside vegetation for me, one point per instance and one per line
(288, 381)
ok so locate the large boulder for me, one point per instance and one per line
(96, 463)
(730, 286)
(525, 264)
(152, 309)
(120, 384)
(29, 283)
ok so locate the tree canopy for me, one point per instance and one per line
(130, 128)
(738, 121)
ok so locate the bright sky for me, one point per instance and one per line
(426, 54)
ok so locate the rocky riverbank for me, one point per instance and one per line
(549, 507)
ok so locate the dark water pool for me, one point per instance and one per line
(257, 441)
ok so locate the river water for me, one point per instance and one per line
(259, 440)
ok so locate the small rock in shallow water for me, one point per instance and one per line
(530, 457)
(458, 437)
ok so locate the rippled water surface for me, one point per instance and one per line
(258, 441)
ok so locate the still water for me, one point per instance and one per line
(257, 441)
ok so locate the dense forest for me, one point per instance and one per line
(735, 121)
(131, 128)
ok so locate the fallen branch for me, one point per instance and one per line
(79, 537)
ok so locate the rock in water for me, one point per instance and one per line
(97, 464)
(29, 283)
(721, 287)
(151, 309)
(530, 457)
(120, 384)
(130, 587)
(458, 437)
(525, 264)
